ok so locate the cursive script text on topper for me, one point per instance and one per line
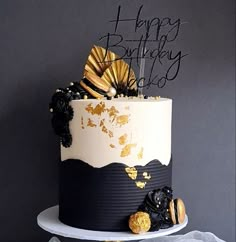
(153, 41)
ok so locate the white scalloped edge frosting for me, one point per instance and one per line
(122, 130)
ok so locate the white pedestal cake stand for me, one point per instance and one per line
(48, 220)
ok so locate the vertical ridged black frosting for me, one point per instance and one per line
(103, 198)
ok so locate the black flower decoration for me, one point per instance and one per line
(60, 124)
(66, 139)
(156, 204)
(59, 102)
(62, 112)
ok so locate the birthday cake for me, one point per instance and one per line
(116, 163)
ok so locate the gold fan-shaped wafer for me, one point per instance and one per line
(119, 74)
(105, 74)
(99, 59)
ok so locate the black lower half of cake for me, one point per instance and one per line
(104, 198)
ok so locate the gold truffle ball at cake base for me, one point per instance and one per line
(139, 222)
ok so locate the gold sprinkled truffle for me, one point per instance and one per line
(139, 222)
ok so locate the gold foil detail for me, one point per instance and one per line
(91, 123)
(112, 146)
(122, 119)
(102, 122)
(101, 111)
(104, 129)
(89, 108)
(127, 150)
(140, 184)
(140, 154)
(132, 172)
(146, 176)
(82, 122)
(123, 139)
(110, 133)
(112, 112)
(98, 110)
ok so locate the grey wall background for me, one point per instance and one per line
(44, 45)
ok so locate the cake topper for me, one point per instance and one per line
(150, 39)
(107, 75)
(141, 73)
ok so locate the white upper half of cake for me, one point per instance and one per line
(132, 131)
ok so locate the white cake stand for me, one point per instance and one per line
(48, 220)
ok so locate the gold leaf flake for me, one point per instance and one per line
(127, 150)
(91, 123)
(140, 154)
(132, 172)
(146, 176)
(104, 129)
(112, 112)
(110, 133)
(122, 119)
(98, 110)
(102, 122)
(89, 108)
(123, 139)
(82, 122)
(140, 184)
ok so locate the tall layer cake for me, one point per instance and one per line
(120, 150)
(115, 152)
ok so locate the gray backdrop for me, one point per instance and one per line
(44, 45)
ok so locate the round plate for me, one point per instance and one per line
(48, 220)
